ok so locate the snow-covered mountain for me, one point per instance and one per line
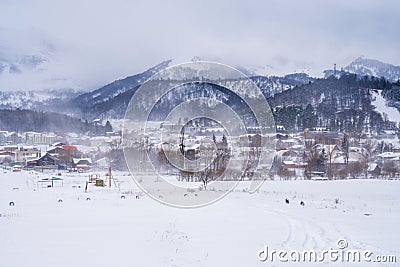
(299, 89)
(371, 67)
(110, 91)
(35, 100)
(111, 101)
(343, 104)
(271, 85)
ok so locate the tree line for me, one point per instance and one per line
(21, 120)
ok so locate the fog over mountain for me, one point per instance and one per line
(371, 67)
(70, 44)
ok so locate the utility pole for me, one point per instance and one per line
(182, 146)
(109, 176)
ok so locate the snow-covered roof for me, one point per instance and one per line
(389, 132)
(192, 147)
(297, 147)
(95, 138)
(372, 166)
(290, 140)
(330, 147)
(87, 149)
(342, 159)
(30, 158)
(75, 135)
(76, 161)
(289, 162)
(354, 149)
(389, 155)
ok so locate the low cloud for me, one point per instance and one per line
(88, 44)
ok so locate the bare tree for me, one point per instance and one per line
(330, 153)
(206, 176)
(315, 161)
(346, 147)
(284, 173)
(355, 169)
(366, 152)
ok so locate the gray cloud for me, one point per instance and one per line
(90, 43)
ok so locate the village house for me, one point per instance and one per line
(374, 170)
(254, 140)
(24, 154)
(389, 162)
(6, 157)
(9, 138)
(83, 164)
(64, 153)
(33, 138)
(45, 160)
(327, 138)
(287, 143)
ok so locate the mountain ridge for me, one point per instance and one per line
(110, 101)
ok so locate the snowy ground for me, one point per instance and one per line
(108, 230)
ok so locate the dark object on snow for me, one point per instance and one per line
(302, 203)
(122, 197)
(11, 204)
(287, 201)
(137, 197)
(60, 201)
(88, 198)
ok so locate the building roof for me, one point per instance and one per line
(58, 144)
(70, 148)
(76, 161)
(389, 155)
(289, 162)
(342, 159)
(49, 156)
(192, 147)
(330, 148)
(372, 166)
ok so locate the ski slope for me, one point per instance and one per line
(99, 228)
(379, 102)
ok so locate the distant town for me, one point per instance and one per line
(316, 153)
(57, 151)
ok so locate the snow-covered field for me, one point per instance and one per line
(99, 228)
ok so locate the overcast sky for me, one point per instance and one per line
(90, 43)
